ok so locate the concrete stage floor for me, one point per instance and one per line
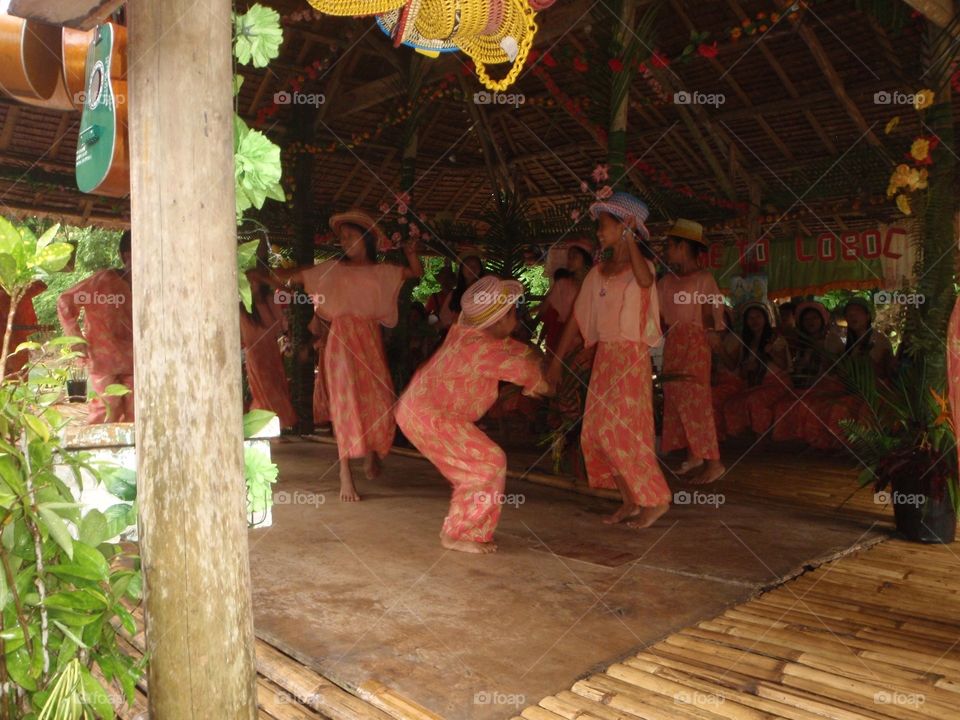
(365, 591)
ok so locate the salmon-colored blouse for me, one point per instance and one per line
(682, 298)
(614, 308)
(364, 291)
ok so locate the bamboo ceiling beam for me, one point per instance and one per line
(939, 12)
(474, 187)
(9, 125)
(345, 183)
(269, 73)
(787, 82)
(524, 176)
(377, 176)
(728, 78)
(65, 122)
(499, 176)
(809, 37)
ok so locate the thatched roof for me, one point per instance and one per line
(799, 129)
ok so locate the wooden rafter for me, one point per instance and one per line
(377, 177)
(735, 86)
(807, 34)
(787, 82)
(9, 125)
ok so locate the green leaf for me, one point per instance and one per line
(95, 695)
(57, 529)
(9, 273)
(9, 237)
(115, 390)
(53, 258)
(94, 528)
(47, 237)
(28, 345)
(85, 600)
(70, 634)
(237, 84)
(18, 667)
(67, 340)
(119, 481)
(38, 426)
(255, 421)
(256, 164)
(118, 517)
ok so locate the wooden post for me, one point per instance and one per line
(193, 534)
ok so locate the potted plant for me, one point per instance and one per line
(907, 442)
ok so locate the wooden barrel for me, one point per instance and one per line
(74, 45)
(30, 58)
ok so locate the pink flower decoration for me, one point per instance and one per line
(402, 208)
(604, 192)
(414, 230)
(584, 187)
(575, 215)
(707, 51)
(396, 238)
(402, 220)
(600, 173)
(384, 207)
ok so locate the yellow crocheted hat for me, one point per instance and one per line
(352, 8)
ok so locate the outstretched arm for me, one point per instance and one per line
(638, 263)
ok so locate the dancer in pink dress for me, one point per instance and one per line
(557, 305)
(106, 300)
(617, 310)
(452, 391)
(692, 310)
(260, 330)
(357, 295)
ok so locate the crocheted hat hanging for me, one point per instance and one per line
(491, 32)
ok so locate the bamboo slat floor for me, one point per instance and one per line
(875, 634)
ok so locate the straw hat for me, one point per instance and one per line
(488, 300)
(742, 310)
(361, 219)
(688, 230)
(630, 210)
(818, 307)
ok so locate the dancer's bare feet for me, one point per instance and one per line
(712, 471)
(372, 466)
(689, 465)
(467, 546)
(348, 493)
(626, 511)
(648, 516)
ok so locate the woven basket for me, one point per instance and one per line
(352, 8)
(519, 22)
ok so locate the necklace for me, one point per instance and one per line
(608, 276)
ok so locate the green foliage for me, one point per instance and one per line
(260, 473)
(507, 236)
(95, 249)
(246, 259)
(61, 613)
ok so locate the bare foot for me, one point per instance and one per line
(348, 493)
(648, 516)
(711, 472)
(467, 546)
(625, 512)
(372, 466)
(689, 465)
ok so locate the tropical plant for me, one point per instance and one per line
(24, 260)
(64, 582)
(506, 241)
(906, 440)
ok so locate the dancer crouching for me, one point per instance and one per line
(455, 388)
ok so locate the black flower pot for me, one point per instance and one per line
(923, 518)
(77, 391)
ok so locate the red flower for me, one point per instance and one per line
(532, 56)
(660, 60)
(549, 60)
(707, 51)
(580, 65)
(616, 64)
